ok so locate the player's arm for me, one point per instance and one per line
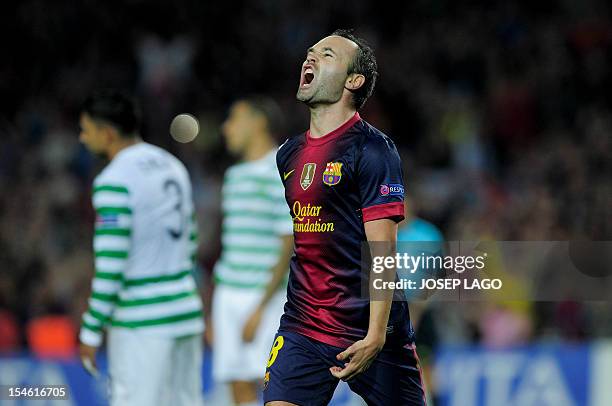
(279, 272)
(284, 229)
(111, 243)
(383, 233)
(359, 356)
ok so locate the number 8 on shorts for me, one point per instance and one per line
(278, 344)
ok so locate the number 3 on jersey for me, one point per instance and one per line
(173, 191)
(278, 344)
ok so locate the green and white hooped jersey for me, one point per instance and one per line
(145, 240)
(255, 217)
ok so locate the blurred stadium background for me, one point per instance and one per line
(502, 111)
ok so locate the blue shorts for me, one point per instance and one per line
(298, 372)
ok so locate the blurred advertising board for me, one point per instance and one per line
(546, 374)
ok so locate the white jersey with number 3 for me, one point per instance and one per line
(145, 238)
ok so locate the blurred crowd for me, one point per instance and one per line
(501, 111)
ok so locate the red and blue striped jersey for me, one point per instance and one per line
(333, 185)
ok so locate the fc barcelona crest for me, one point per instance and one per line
(332, 174)
(308, 173)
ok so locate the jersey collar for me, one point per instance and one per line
(334, 134)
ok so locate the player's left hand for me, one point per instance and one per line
(87, 354)
(359, 355)
(251, 326)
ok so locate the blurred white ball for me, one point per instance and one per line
(184, 128)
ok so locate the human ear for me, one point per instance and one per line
(354, 82)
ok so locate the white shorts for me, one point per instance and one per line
(154, 370)
(233, 359)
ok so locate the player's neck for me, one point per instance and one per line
(326, 118)
(119, 146)
(259, 148)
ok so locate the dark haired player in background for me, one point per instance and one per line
(343, 185)
(144, 239)
(257, 244)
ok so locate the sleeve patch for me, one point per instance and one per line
(392, 189)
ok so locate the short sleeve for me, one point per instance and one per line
(380, 180)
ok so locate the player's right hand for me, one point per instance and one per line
(250, 327)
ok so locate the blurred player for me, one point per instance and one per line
(257, 244)
(144, 239)
(414, 228)
(417, 236)
(343, 183)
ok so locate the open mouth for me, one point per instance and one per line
(307, 77)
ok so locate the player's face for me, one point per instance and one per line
(238, 127)
(93, 135)
(325, 71)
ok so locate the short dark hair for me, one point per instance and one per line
(270, 110)
(364, 63)
(116, 108)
